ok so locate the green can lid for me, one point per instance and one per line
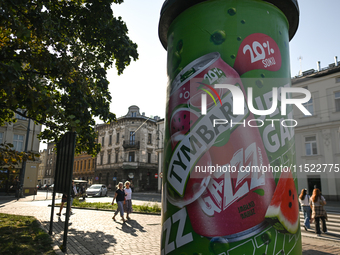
(172, 8)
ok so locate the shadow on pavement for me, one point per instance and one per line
(96, 242)
(130, 227)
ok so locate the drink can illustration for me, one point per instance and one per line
(220, 193)
(219, 185)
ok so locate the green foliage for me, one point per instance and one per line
(23, 235)
(53, 61)
(10, 158)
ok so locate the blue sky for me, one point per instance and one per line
(144, 82)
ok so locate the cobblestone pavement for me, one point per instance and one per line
(94, 232)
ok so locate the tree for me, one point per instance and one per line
(53, 61)
(10, 158)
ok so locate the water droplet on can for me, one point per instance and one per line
(263, 75)
(259, 83)
(243, 21)
(266, 237)
(218, 245)
(233, 56)
(239, 38)
(232, 11)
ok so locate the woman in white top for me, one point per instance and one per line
(304, 202)
(128, 203)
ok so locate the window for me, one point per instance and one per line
(110, 139)
(310, 145)
(18, 142)
(131, 157)
(337, 101)
(116, 157)
(81, 165)
(18, 116)
(103, 141)
(85, 164)
(109, 158)
(133, 114)
(117, 138)
(1, 137)
(101, 159)
(132, 137)
(149, 138)
(149, 157)
(309, 106)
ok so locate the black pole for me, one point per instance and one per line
(23, 168)
(64, 248)
(52, 212)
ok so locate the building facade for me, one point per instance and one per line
(129, 151)
(50, 164)
(317, 137)
(42, 166)
(83, 168)
(23, 135)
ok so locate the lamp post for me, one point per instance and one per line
(160, 158)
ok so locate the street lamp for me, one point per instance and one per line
(158, 131)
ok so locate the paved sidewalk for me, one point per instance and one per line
(94, 232)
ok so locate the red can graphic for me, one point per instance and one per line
(215, 168)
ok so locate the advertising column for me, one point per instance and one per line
(229, 185)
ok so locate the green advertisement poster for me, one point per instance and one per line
(229, 186)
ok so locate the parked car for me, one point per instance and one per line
(51, 187)
(97, 190)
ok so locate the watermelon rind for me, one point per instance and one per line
(275, 217)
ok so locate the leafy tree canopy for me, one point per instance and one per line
(54, 55)
(10, 158)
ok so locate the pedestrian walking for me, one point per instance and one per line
(119, 197)
(304, 202)
(128, 202)
(73, 194)
(64, 199)
(317, 203)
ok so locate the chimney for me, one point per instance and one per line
(336, 60)
(318, 66)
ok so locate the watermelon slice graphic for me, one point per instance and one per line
(283, 210)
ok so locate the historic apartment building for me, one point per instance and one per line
(317, 137)
(129, 151)
(16, 134)
(83, 168)
(50, 165)
(42, 166)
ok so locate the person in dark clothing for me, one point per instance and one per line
(120, 197)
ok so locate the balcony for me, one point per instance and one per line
(131, 145)
(130, 165)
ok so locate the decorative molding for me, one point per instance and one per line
(326, 135)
